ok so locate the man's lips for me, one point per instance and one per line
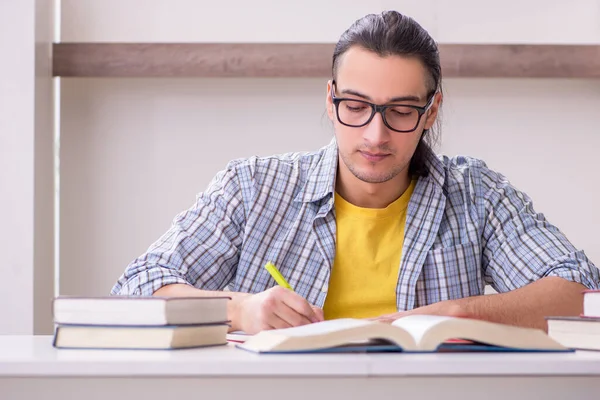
(373, 157)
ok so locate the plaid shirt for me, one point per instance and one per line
(466, 226)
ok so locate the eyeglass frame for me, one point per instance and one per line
(380, 108)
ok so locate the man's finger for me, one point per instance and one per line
(389, 318)
(318, 313)
(274, 321)
(290, 315)
(300, 305)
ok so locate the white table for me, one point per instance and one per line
(30, 368)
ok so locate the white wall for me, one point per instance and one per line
(449, 21)
(26, 185)
(135, 152)
(544, 135)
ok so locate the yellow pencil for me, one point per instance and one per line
(277, 275)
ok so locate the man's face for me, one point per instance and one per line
(374, 153)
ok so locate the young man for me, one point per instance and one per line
(373, 225)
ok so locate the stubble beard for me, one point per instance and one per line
(373, 177)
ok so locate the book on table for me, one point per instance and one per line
(136, 322)
(575, 332)
(582, 332)
(591, 303)
(415, 333)
(139, 337)
(139, 310)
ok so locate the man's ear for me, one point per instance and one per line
(433, 111)
(329, 102)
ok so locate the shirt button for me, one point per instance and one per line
(325, 288)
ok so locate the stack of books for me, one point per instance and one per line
(123, 322)
(581, 332)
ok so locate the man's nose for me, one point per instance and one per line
(376, 133)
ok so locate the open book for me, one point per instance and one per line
(415, 333)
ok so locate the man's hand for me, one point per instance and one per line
(273, 309)
(527, 306)
(449, 308)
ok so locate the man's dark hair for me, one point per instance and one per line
(391, 33)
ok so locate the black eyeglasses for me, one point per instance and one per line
(397, 117)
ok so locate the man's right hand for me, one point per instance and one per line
(274, 308)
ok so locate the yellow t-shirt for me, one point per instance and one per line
(367, 258)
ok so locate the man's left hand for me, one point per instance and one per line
(449, 308)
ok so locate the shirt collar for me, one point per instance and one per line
(435, 167)
(321, 180)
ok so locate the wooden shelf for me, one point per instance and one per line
(309, 60)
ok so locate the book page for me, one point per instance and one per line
(418, 325)
(328, 334)
(325, 327)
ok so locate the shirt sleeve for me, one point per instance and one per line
(200, 249)
(521, 245)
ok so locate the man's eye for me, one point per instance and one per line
(355, 108)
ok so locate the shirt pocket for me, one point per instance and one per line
(450, 273)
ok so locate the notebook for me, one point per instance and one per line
(415, 333)
(139, 310)
(238, 336)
